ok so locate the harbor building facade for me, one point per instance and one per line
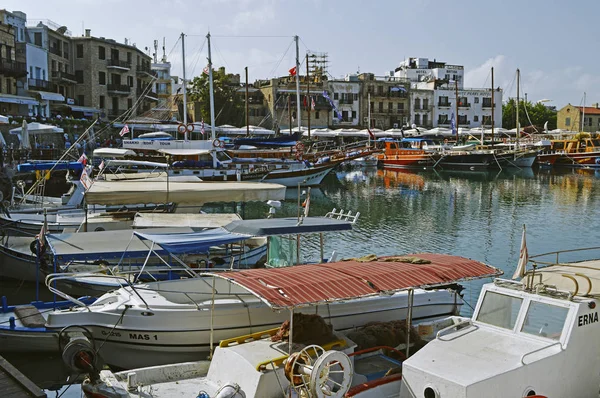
(569, 118)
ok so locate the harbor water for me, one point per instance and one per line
(479, 215)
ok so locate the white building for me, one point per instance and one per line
(424, 70)
(345, 95)
(421, 109)
(37, 83)
(474, 106)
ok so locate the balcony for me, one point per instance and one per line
(423, 108)
(141, 70)
(119, 89)
(118, 64)
(488, 105)
(464, 105)
(38, 84)
(64, 76)
(13, 68)
(346, 101)
(444, 104)
(55, 51)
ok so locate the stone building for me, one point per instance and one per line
(388, 100)
(111, 77)
(345, 94)
(569, 118)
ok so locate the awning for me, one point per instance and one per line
(85, 109)
(188, 193)
(184, 152)
(160, 220)
(17, 99)
(192, 242)
(288, 226)
(314, 284)
(45, 95)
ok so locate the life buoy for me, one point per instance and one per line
(217, 143)
(181, 128)
(299, 147)
(190, 128)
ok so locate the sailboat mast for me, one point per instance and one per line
(518, 125)
(492, 106)
(456, 118)
(185, 135)
(583, 114)
(247, 113)
(308, 101)
(298, 83)
(212, 98)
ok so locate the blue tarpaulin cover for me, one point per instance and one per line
(192, 242)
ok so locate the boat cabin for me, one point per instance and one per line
(585, 144)
(524, 339)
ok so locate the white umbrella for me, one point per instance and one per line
(3, 119)
(38, 128)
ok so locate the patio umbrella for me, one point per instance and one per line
(3, 119)
(25, 135)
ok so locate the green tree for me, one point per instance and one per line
(538, 114)
(229, 105)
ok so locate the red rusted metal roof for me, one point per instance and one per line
(312, 284)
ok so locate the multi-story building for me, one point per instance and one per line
(421, 111)
(388, 100)
(474, 105)
(346, 97)
(281, 101)
(569, 118)
(111, 77)
(424, 70)
(13, 67)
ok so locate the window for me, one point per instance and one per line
(102, 78)
(317, 115)
(129, 57)
(381, 107)
(545, 320)
(380, 90)
(355, 96)
(476, 100)
(344, 116)
(37, 39)
(101, 52)
(390, 106)
(443, 119)
(81, 100)
(130, 81)
(417, 103)
(79, 51)
(102, 102)
(400, 107)
(372, 106)
(486, 120)
(79, 76)
(567, 121)
(417, 119)
(499, 310)
(475, 118)
(129, 103)
(353, 114)
(425, 103)
(54, 65)
(425, 120)
(487, 102)
(443, 101)
(462, 119)
(370, 89)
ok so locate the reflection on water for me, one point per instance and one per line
(473, 214)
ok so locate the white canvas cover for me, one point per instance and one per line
(160, 220)
(189, 193)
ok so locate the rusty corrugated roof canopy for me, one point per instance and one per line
(313, 284)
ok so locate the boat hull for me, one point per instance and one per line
(471, 161)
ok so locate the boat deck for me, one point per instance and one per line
(14, 384)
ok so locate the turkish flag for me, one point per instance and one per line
(293, 71)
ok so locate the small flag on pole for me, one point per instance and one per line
(523, 257)
(85, 179)
(124, 130)
(293, 71)
(42, 235)
(101, 167)
(312, 103)
(202, 127)
(82, 159)
(205, 70)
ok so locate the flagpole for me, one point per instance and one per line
(298, 83)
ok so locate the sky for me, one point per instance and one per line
(551, 42)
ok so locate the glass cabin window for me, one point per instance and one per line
(545, 320)
(499, 310)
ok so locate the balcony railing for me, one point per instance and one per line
(117, 63)
(141, 69)
(13, 68)
(148, 93)
(464, 105)
(55, 51)
(444, 104)
(38, 84)
(119, 88)
(488, 106)
(423, 108)
(347, 101)
(69, 77)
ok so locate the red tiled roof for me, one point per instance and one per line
(589, 110)
(318, 283)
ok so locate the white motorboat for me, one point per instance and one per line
(537, 337)
(260, 365)
(176, 321)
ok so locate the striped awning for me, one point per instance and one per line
(314, 284)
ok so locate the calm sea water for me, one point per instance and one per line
(479, 215)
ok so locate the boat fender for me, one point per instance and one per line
(181, 128)
(33, 247)
(230, 390)
(190, 128)
(217, 143)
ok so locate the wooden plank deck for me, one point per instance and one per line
(15, 384)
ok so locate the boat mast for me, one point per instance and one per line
(185, 135)
(308, 101)
(298, 82)
(369, 112)
(518, 126)
(456, 118)
(247, 115)
(583, 114)
(492, 106)
(212, 98)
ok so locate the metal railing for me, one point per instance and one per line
(38, 83)
(64, 76)
(118, 63)
(121, 88)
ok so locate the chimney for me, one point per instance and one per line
(88, 33)
(595, 105)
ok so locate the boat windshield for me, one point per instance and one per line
(545, 320)
(499, 310)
